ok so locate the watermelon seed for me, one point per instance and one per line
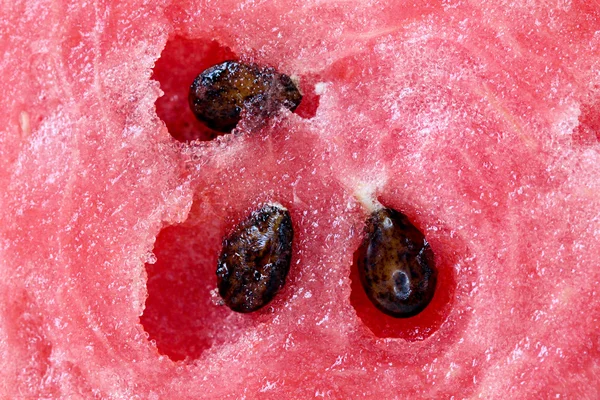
(396, 265)
(218, 95)
(255, 259)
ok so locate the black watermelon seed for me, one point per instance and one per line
(220, 93)
(396, 265)
(255, 259)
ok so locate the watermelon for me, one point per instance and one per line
(477, 120)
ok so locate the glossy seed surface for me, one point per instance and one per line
(396, 265)
(220, 93)
(255, 259)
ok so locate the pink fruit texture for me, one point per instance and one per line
(478, 120)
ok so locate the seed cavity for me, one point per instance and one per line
(255, 259)
(396, 265)
(220, 93)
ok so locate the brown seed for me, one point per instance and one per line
(255, 259)
(396, 265)
(219, 94)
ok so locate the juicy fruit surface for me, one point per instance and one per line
(479, 122)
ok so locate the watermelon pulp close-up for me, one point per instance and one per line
(477, 123)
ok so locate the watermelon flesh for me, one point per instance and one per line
(479, 122)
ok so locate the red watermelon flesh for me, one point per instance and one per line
(478, 121)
